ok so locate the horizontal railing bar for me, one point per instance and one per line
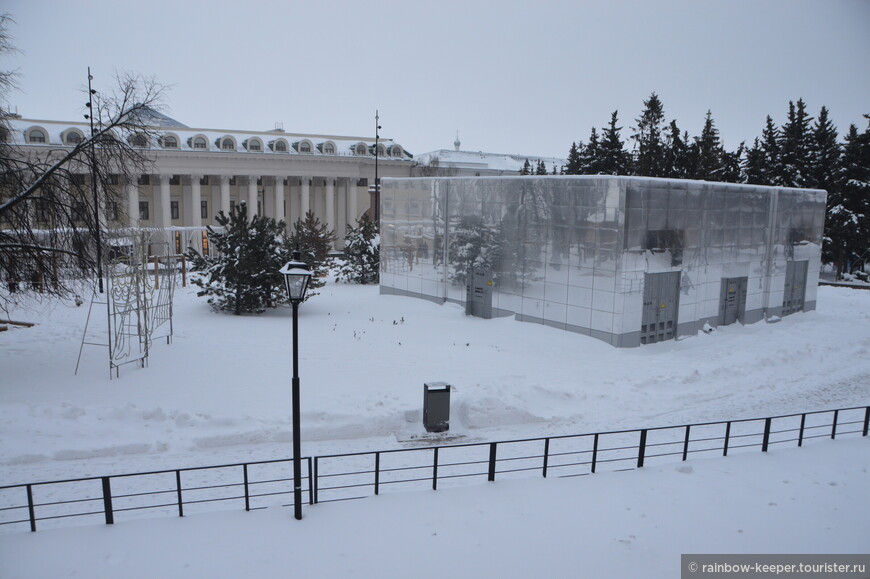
(69, 502)
(14, 522)
(275, 494)
(144, 507)
(114, 496)
(518, 469)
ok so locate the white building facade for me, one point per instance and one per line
(198, 172)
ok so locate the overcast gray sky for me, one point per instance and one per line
(511, 76)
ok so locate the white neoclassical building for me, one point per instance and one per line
(198, 172)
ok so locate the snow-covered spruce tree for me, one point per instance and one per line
(362, 253)
(243, 277)
(315, 241)
(649, 140)
(614, 159)
(847, 224)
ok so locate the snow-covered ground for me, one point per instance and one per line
(221, 390)
(610, 525)
(221, 393)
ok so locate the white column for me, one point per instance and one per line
(304, 197)
(252, 196)
(164, 214)
(351, 202)
(131, 189)
(329, 219)
(225, 194)
(279, 198)
(195, 201)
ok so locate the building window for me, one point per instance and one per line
(381, 151)
(144, 179)
(233, 180)
(204, 243)
(281, 147)
(113, 179)
(143, 211)
(36, 136)
(360, 149)
(328, 149)
(253, 145)
(173, 209)
(78, 211)
(169, 142)
(200, 143)
(112, 211)
(304, 147)
(42, 211)
(73, 138)
(203, 209)
(204, 180)
(396, 151)
(228, 145)
(175, 180)
(232, 205)
(78, 179)
(139, 140)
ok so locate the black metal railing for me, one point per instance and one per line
(340, 477)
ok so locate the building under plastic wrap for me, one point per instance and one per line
(627, 260)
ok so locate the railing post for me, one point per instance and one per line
(247, 494)
(834, 426)
(107, 501)
(377, 472)
(30, 509)
(641, 450)
(310, 483)
(316, 465)
(766, 440)
(178, 489)
(866, 420)
(492, 452)
(727, 438)
(546, 455)
(435, 470)
(801, 433)
(686, 443)
(594, 452)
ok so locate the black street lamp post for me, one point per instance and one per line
(296, 276)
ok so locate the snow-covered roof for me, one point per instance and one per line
(486, 161)
(166, 126)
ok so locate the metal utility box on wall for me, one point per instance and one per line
(732, 300)
(478, 287)
(661, 300)
(436, 406)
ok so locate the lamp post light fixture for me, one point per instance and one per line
(296, 277)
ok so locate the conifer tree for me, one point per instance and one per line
(573, 165)
(590, 155)
(541, 168)
(648, 139)
(527, 168)
(824, 164)
(676, 163)
(795, 145)
(769, 162)
(243, 275)
(753, 164)
(315, 241)
(847, 227)
(361, 253)
(709, 155)
(614, 159)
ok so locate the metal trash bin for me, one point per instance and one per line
(436, 406)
